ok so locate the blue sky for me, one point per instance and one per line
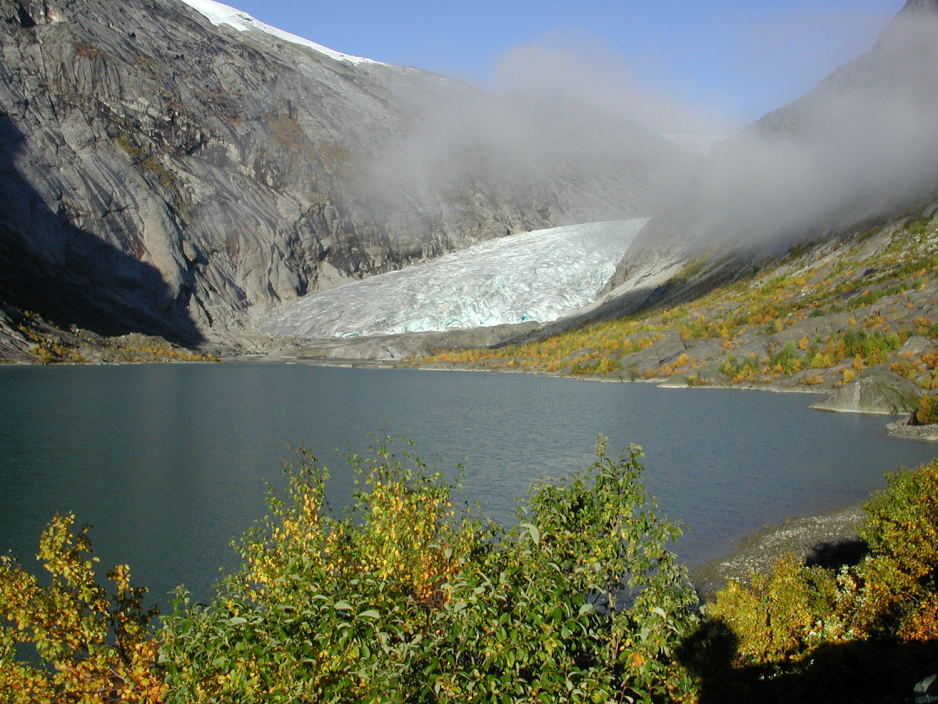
(717, 64)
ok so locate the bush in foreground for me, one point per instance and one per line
(90, 646)
(402, 599)
(874, 624)
(407, 599)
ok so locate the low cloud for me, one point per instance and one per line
(478, 152)
(584, 69)
(783, 54)
(864, 141)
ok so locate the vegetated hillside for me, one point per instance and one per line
(862, 145)
(165, 175)
(813, 317)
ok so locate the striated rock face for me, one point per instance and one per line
(13, 344)
(163, 174)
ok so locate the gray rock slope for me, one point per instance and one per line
(860, 147)
(879, 391)
(162, 174)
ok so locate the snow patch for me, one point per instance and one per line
(542, 275)
(219, 14)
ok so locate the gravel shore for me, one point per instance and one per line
(828, 539)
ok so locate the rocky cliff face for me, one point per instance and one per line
(860, 147)
(162, 174)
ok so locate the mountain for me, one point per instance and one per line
(861, 147)
(184, 170)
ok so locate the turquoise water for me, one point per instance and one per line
(170, 462)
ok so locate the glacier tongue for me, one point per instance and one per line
(541, 275)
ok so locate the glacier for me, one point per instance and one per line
(535, 276)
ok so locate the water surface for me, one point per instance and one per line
(170, 462)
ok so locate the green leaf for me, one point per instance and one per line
(342, 606)
(236, 621)
(535, 533)
(586, 609)
(370, 613)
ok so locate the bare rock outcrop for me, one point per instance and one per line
(878, 390)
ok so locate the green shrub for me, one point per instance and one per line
(902, 534)
(599, 366)
(868, 298)
(860, 342)
(730, 365)
(776, 616)
(786, 357)
(406, 599)
(890, 596)
(927, 412)
(91, 646)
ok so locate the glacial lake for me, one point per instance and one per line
(171, 462)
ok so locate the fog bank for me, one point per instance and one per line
(862, 142)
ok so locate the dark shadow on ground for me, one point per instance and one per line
(88, 283)
(876, 671)
(873, 672)
(833, 556)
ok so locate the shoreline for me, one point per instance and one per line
(827, 539)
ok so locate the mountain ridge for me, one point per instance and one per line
(179, 178)
(858, 148)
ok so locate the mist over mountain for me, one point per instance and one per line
(862, 145)
(185, 170)
(181, 172)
